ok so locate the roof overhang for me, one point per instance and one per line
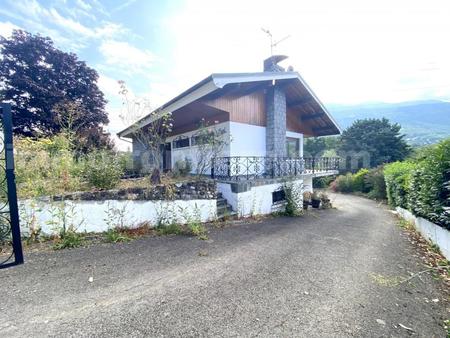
(213, 83)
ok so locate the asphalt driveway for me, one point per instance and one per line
(326, 274)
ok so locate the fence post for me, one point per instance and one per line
(212, 167)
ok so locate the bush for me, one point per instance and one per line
(45, 167)
(429, 187)
(322, 182)
(374, 181)
(182, 167)
(343, 183)
(398, 177)
(102, 169)
(359, 181)
(370, 182)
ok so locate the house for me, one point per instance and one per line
(264, 117)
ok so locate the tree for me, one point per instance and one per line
(36, 77)
(153, 136)
(314, 147)
(210, 143)
(320, 146)
(379, 139)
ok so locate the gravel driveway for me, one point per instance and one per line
(326, 274)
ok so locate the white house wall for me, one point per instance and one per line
(247, 140)
(257, 200)
(180, 154)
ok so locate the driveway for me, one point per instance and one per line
(326, 274)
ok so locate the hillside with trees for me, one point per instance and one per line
(423, 122)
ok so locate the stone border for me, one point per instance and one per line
(195, 190)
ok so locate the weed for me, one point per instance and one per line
(115, 236)
(71, 239)
(170, 229)
(447, 327)
(404, 224)
(196, 229)
(435, 248)
(386, 281)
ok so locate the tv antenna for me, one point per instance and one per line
(274, 43)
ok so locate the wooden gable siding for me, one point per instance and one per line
(249, 109)
(293, 123)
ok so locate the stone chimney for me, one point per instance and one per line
(275, 111)
(271, 63)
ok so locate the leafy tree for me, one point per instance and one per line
(378, 138)
(314, 147)
(37, 78)
(320, 146)
(150, 137)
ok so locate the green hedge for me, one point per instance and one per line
(398, 177)
(423, 186)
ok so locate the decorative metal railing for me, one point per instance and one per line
(241, 168)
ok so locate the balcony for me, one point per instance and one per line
(244, 168)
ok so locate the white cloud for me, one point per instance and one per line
(348, 51)
(64, 29)
(125, 57)
(108, 85)
(6, 28)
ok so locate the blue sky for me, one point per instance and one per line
(349, 51)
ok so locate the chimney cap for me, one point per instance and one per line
(270, 64)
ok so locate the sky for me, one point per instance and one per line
(349, 51)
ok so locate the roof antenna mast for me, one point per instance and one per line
(273, 43)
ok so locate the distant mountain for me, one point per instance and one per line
(423, 122)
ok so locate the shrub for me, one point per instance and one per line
(398, 176)
(182, 167)
(343, 183)
(429, 192)
(375, 183)
(45, 167)
(359, 181)
(322, 182)
(102, 169)
(293, 195)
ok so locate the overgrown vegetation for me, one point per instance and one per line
(48, 166)
(101, 169)
(368, 182)
(422, 185)
(293, 196)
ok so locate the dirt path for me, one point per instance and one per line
(327, 274)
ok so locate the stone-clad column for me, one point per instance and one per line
(276, 122)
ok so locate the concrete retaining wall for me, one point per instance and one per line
(432, 232)
(99, 216)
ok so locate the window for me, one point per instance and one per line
(181, 142)
(292, 147)
(278, 196)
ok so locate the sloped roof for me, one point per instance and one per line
(218, 81)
